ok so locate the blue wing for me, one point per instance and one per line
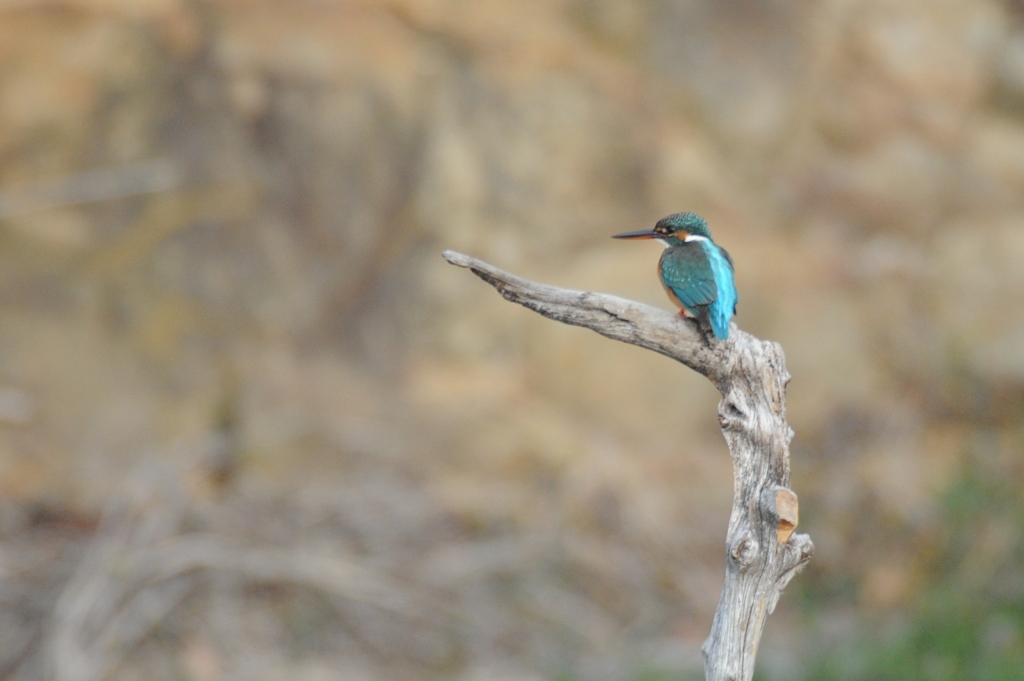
(700, 276)
(686, 271)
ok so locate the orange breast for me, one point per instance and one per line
(672, 295)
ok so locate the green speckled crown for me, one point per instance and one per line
(683, 222)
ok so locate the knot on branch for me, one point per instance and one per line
(730, 416)
(744, 551)
(798, 550)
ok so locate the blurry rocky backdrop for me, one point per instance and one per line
(253, 427)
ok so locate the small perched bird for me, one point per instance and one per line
(695, 271)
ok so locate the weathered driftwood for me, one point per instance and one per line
(763, 553)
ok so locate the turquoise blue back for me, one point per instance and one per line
(722, 308)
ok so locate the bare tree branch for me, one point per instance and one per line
(762, 552)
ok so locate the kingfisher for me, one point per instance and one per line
(696, 272)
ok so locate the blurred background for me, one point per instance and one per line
(252, 426)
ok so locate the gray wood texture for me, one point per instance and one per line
(762, 551)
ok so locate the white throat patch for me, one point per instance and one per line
(688, 239)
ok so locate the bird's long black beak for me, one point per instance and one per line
(638, 234)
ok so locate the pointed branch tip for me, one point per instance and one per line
(456, 258)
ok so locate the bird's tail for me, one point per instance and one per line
(720, 324)
(720, 312)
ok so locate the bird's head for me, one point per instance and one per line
(673, 230)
